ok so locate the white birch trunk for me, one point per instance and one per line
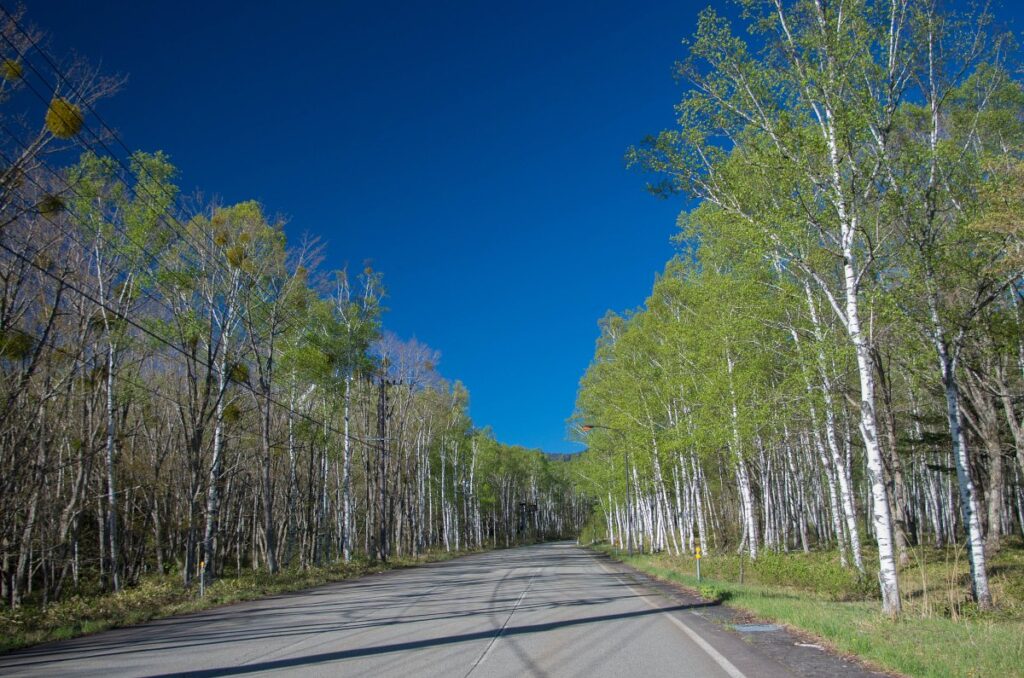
(838, 462)
(881, 514)
(742, 475)
(969, 504)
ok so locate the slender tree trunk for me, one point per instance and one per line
(742, 473)
(111, 453)
(269, 533)
(213, 480)
(969, 505)
(881, 515)
(293, 485)
(894, 467)
(839, 464)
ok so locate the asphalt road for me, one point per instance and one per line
(550, 610)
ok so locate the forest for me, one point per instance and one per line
(187, 391)
(832, 362)
(835, 357)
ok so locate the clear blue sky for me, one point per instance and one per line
(473, 151)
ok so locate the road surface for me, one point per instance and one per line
(549, 610)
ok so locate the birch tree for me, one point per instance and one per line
(785, 143)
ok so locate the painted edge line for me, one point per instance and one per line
(717, 656)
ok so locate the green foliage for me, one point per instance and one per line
(670, 373)
(713, 593)
(125, 215)
(232, 413)
(239, 373)
(236, 256)
(812, 573)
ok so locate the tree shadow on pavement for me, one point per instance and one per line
(420, 644)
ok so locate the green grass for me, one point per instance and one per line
(164, 595)
(939, 634)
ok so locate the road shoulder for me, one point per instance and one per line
(756, 647)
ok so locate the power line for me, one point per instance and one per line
(82, 362)
(159, 300)
(179, 228)
(90, 297)
(124, 317)
(67, 232)
(84, 100)
(86, 127)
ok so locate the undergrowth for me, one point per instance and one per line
(939, 633)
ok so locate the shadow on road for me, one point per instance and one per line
(418, 644)
(419, 599)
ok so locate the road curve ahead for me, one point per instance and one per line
(550, 610)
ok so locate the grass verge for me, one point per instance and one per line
(938, 634)
(158, 596)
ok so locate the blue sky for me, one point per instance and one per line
(472, 151)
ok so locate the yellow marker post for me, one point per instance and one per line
(697, 556)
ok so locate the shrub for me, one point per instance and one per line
(814, 573)
(713, 593)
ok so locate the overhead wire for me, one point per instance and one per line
(83, 362)
(170, 220)
(181, 233)
(157, 337)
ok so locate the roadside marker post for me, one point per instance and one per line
(202, 578)
(697, 556)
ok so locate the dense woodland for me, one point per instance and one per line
(184, 390)
(835, 359)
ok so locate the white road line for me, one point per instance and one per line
(726, 665)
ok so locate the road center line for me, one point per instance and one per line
(717, 656)
(497, 635)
